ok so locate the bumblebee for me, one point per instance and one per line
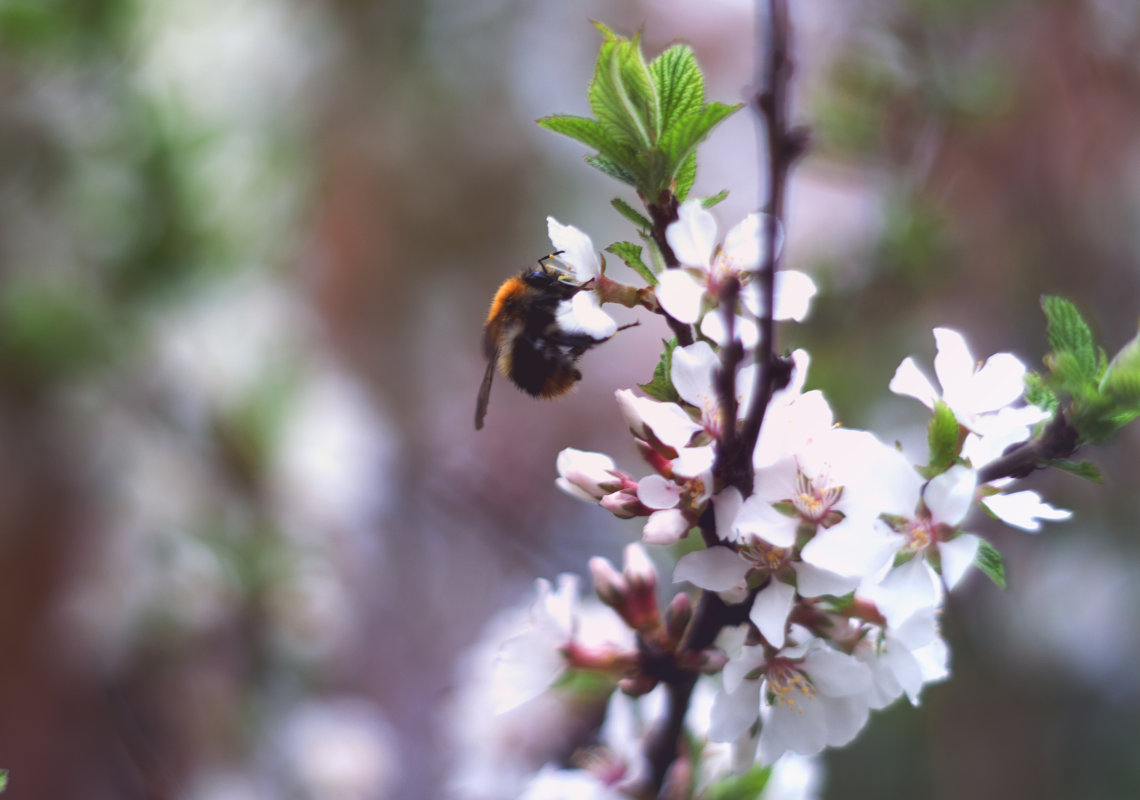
(531, 335)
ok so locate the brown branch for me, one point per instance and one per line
(1058, 440)
(733, 465)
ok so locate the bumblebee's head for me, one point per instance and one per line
(550, 272)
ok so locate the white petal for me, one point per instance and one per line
(681, 294)
(950, 495)
(910, 381)
(726, 505)
(744, 244)
(852, 547)
(957, 556)
(953, 364)
(845, 717)
(836, 674)
(1024, 510)
(693, 236)
(692, 373)
(717, 569)
(658, 492)
(734, 712)
(745, 329)
(800, 729)
(811, 581)
(906, 589)
(770, 611)
(794, 292)
(999, 382)
(578, 250)
(669, 422)
(665, 527)
(757, 517)
(583, 313)
(694, 461)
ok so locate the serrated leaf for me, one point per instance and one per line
(989, 561)
(943, 436)
(1070, 335)
(630, 253)
(612, 168)
(583, 129)
(684, 177)
(1082, 469)
(660, 387)
(680, 84)
(632, 214)
(689, 131)
(717, 198)
(622, 95)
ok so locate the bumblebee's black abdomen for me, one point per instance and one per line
(542, 368)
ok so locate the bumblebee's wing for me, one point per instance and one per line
(485, 390)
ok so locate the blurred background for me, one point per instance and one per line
(246, 246)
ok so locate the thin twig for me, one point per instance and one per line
(783, 147)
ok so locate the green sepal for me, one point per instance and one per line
(989, 561)
(717, 198)
(632, 214)
(660, 387)
(630, 253)
(944, 436)
(748, 786)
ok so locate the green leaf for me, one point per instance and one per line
(1069, 335)
(709, 202)
(685, 176)
(1121, 380)
(679, 82)
(622, 94)
(3, 779)
(660, 387)
(989, 561)
(613, 169)
(689, 131)
(943, 434)
(740, 787)
(585, 130)
(1038, 394)
(1082, 469)
(630, 253)
(632, 214)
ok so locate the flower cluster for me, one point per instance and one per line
(830, 569)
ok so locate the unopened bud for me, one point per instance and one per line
(608, 583)
(623, 504)
(640, 607)
(665, 527)
(677, 616)
(587, 476)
